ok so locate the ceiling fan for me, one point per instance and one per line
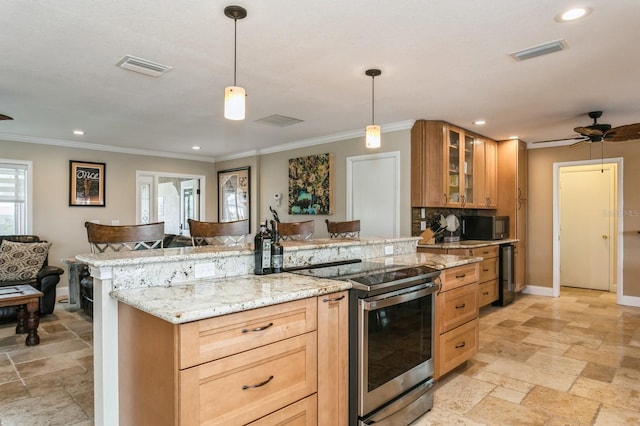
(602, 132)
(5, 117)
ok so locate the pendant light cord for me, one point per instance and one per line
(235, 48)
(373, 101)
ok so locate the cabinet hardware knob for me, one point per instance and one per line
(250, 330)
(461, 306)
(335, 299)
(460, 345)
(485, 270)
(604, 237)
(245, 387)
(486, 293)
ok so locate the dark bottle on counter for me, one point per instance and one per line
(262, 251)
(276, 253)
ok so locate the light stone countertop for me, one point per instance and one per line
(181, 303)
(469, 244)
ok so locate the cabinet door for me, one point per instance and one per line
(455, 154)
(491, 174)
(301, 413)
(333, 357)
(479, 174)
(468, 172)
(427, 164)
(519, 266)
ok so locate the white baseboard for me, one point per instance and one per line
(538, 290)
(629, 301)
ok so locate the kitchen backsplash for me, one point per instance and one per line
(424, 217)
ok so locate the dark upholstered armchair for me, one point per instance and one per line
(46, 280)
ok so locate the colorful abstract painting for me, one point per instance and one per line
(311, 185)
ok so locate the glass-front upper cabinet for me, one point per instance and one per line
(468, 170)
(454, 157)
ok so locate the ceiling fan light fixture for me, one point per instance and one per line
(372, 132)
(234, 96)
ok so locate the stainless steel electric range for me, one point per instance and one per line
(391, 329)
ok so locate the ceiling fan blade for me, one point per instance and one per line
(5, 117)
(588, 131)
(575, 145)
(576, 138)
(623, 133)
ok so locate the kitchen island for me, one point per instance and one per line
(169, 285)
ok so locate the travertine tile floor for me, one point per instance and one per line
(574, 360)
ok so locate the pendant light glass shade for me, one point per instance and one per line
(234, 102)
(234, 96)
(372, 136)
(372, 132)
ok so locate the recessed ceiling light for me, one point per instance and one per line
(480, 122)
(78, 132)
(195, 147)
(573, 14)
(513, 137)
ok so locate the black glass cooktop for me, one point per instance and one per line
(373, 275)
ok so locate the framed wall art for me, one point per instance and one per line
(87, 184)
(311, 185)
(234, 193)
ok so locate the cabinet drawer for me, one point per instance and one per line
(301, 413)
(459, 276)
(215, 338)
(489, 251)
(457, 306)
(244, 387)
(487, 292)
(488, 269)
(458, 345)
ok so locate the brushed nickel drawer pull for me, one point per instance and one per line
(335, 299)
(460, 345)
(246, 330)
(461, 276)
(461, 306)
(245, 387)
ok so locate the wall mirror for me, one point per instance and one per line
(234, 194)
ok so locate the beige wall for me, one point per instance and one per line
(55, 221)
(273, 177)
(540, 213)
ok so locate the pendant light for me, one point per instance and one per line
(234, 96)
(372, 132)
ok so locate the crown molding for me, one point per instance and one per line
(392, 127)
(98, 147)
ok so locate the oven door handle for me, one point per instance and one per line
(395, 300)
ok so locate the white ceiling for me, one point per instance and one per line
(440, 59)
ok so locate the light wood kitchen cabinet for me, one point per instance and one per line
(456, 318)
(260, 365)
(333, 359)
(449, 167)
(512, 200)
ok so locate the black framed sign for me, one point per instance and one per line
(86, 184)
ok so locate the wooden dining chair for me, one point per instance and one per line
(347, 229)
(295, 230)
(218, 233)
(124, 237)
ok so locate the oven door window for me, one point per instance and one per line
(399, 339)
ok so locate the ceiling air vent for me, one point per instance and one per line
(143, 66)
(541, 49)
(279, 120)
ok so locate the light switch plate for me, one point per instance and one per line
(388, 250)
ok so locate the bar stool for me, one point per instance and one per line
(295, 230)
(347, 229)
(218, 233)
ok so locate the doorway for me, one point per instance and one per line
(373, 193)
(587, 229)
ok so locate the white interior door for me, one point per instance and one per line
(587, 226)
(373, 193)
(189, 203)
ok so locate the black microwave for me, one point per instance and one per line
(485, 227)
